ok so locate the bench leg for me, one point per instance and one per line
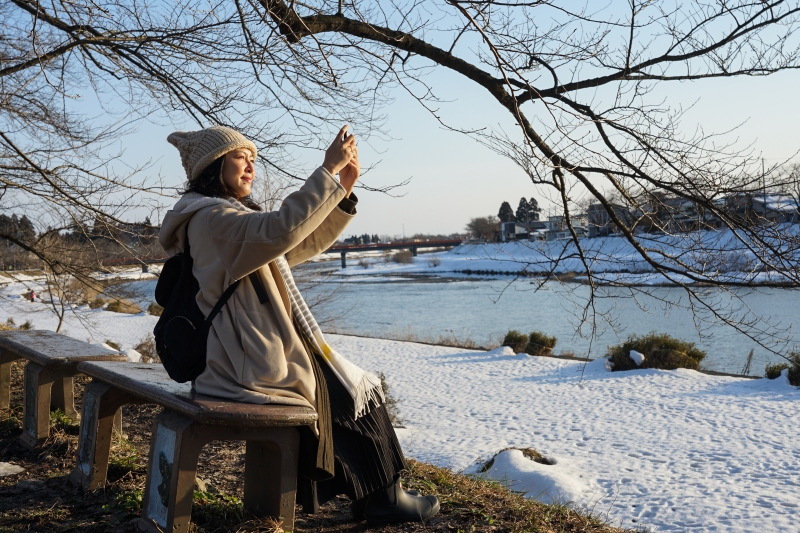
(102, 416)
(36, 418)
(270, 476)
(62, 397)
(174, 449)
(5, 385)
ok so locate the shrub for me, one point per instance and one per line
(773, 371)
(113, 344)
(147, 347)
(434, 262)
(540, 344)
(97, 303)
(363, 262)
(154, 309)
(403, 257)
(660, 351)
(516, 340)
(26, 325)
(9, 325)
(124, 306)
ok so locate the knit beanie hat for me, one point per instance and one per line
(199, 149)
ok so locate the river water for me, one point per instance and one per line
(483, 310)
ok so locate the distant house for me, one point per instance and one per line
(557, 227)
(515, 231)
(771, 208)
(599, 222)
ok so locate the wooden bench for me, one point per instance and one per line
(188, 422)
(52, 363)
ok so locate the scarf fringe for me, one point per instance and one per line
(363, 386)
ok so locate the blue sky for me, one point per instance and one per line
(454, 178)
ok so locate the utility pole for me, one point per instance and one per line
(764, 186)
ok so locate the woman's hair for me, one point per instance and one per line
(209, 183)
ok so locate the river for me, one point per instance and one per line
(483, 310)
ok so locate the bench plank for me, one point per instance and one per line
(151, 382)
(52, 362)
(48, 348)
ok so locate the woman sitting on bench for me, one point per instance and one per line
(265, 346)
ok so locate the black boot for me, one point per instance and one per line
(357, 507)
(393, 504)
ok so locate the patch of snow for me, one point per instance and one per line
(502, 350)
(636, 357)
(9, 469)
(557, 483)
(133, 355)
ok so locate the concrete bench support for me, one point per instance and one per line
(102, 413)
(187, 423)
(52, 362)
(270, 471)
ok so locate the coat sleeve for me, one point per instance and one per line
(326, 234)
(245, 241)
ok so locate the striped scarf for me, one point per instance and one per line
(362, 385)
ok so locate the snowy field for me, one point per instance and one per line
(670, 451)
(718, 254)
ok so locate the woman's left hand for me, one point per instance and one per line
(350, 173)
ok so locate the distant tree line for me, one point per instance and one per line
(366, 238)
(95, 241)
(527, 211)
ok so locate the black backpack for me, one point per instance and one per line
(182, 331)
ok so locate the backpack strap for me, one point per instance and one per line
(222, 301)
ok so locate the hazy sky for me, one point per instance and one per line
(454, 178)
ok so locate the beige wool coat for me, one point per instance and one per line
(254, 354)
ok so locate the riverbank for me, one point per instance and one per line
(718, 254)
(669, 450)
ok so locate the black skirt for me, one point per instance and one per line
(366, 454)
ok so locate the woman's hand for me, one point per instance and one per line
(340, 152)
(350, 173)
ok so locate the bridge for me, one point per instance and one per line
(413, 246)
(338, 248)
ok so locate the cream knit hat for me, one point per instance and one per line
(199, 149)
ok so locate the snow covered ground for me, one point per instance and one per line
(718, 254)
(672, 451)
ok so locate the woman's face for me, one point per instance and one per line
(238, 171)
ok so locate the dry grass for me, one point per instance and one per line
(530, 453)
(475, 504)
(147, 347)
(124, 306)
(409, 335)
(154, 309)
(403, 257)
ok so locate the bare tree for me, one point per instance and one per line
(576, 81)
(486, 228)
(76, 78)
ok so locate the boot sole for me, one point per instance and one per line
(399, 519)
